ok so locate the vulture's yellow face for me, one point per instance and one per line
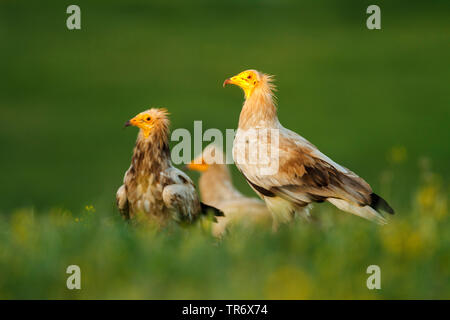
(148, 120)
(247, 80)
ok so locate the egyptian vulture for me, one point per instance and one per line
(286, 170)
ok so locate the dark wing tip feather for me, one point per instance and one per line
(378, 203)
(206, 208)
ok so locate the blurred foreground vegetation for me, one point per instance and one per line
(300, 261)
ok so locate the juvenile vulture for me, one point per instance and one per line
(291, 172)
(152, 185)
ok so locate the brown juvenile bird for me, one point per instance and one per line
(294, 173)
(216, 189)
(152, 185)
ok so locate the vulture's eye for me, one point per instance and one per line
(249, 77)
(148, 118)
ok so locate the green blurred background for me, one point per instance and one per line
(376, 101)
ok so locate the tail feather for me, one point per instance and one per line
(366, 212)
(378, 203)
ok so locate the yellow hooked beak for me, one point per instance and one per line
(197, 166)
(227, 81)
(142, 122)
(132, 122)
(233, 80)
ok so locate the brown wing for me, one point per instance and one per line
(180, 196)
(303, 176)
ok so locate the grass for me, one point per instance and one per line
(300, 261)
